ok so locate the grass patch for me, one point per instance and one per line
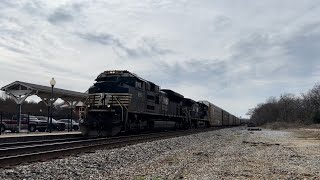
(283, 125)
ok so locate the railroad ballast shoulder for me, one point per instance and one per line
(120, 101)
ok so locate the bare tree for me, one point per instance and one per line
(289, 108)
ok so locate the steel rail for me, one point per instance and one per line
(25, 154)
(33, 142)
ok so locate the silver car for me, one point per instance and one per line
(67, 122)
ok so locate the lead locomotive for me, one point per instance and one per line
(121, 101)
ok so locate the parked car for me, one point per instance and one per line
(60, 126)
(33, 124)
(67, 122)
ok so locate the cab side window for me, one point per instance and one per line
(139, 84)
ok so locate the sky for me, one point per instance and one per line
(234, 54)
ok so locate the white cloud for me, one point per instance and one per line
(232, 53)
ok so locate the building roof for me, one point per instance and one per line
(43, 91)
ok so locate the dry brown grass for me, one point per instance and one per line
(308, 134)
(301, 130)
(283, 125)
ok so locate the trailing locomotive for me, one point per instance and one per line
(120, 101)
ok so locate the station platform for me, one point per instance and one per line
(34, 136)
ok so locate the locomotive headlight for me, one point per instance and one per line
(108, 105)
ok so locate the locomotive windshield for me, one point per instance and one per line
(117, 80)
(116, 84)
(108, 78)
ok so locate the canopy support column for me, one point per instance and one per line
(19, 96)
(47, 102)
(71, 104)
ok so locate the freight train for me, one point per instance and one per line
(122, 102)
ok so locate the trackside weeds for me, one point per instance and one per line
(232, 153)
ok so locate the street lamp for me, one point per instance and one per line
(52, 83)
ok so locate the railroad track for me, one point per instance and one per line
(34, 142)
(37, 137)
(27, 152)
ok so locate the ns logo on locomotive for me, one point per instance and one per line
(120, 101)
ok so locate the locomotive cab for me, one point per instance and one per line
(109, 102)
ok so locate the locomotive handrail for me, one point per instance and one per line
(121, 105)
(125, 108)
(119, 102)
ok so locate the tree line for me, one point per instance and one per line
(8, 108)
(304, 108)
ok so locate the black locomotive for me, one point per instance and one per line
(120, 101)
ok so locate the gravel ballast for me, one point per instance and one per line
(232, 153)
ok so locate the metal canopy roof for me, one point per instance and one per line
(19, 88)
